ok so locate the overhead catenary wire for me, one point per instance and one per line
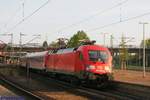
(11, 18)
(27, 17)
(37, 36)
(117, 22)
(94, 15)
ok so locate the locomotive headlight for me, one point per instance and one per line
(90, 67)
(108, 69)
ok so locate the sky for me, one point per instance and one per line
(63, 18)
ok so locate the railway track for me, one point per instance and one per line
(118, 91)
(90, 93)
(96, 93)
(70, 88)
(121, 91)
(26, 94)
(136, 91)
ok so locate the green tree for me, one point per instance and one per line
(7, 47)
(54, 44)
(123, 53)
(75, 39)
(59, 43)
(147, 43)
(45, 45)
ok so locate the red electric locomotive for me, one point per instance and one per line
(85, 63)
(88, 62)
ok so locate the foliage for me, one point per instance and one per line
(72, 42)
(54, 44)
(60, 43)
(7, 47)
(75, 39)
(123, 53)
(45, 45)
(147, 43)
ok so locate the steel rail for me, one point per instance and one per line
(19, 88)
(93, 92)
(121, 90)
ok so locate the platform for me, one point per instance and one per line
(135, 77)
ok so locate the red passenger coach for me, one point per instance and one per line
(34, 60)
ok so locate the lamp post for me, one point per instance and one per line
(143, 23)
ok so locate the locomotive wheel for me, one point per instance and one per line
(101, 81)
(102, 85)
(74, 81)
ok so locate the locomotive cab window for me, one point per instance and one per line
(97, 55)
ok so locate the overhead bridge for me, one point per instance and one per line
(130, 50)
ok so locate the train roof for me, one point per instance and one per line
(100, 47)
(68, 50)
(36, 54)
